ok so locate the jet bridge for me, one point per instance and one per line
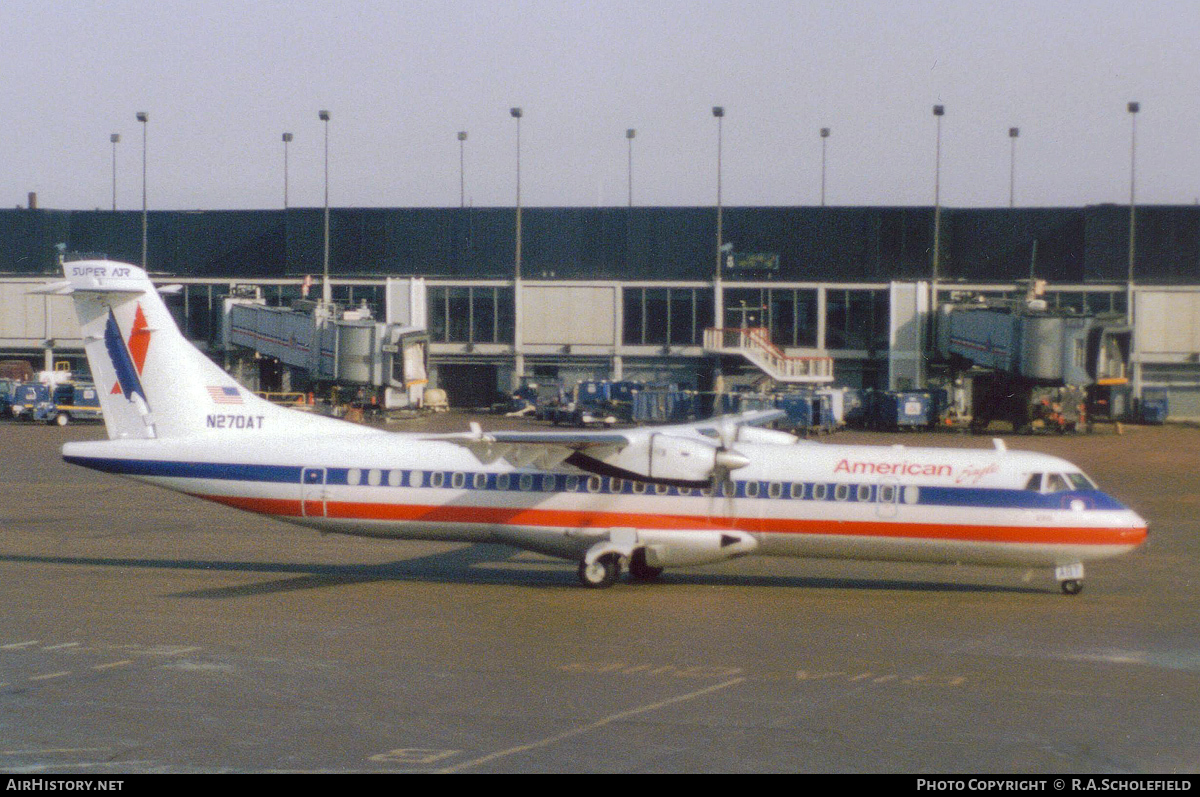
(1033, 364)
(337, 345)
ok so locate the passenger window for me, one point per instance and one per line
(775, 490)
(525, 482)
(549, 483)
(479, 481)
(841, 492)
(1034, 483)
(752, 489)
(1055, 483)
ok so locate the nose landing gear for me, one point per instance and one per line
(1070, 578)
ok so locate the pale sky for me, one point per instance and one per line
(223, 79)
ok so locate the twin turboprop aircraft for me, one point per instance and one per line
(640, 499)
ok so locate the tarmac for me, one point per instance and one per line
(145, 631)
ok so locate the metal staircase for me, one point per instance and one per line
(754, 343)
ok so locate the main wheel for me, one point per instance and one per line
(639, 570)
(602, 573)
(1072, 587)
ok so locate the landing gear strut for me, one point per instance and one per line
(601, 573)
(639, 570)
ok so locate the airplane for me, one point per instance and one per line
(637, 499)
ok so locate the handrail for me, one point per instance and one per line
(755, 344)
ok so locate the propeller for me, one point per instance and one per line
(725, 461)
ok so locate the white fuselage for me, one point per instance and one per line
(805, 499)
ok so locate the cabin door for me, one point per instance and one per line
(312, 492)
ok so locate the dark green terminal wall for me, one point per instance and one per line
(1088, 244)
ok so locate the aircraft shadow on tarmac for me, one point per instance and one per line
(470, 565)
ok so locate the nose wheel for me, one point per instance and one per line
(1070, 578)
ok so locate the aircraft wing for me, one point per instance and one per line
(683, 454)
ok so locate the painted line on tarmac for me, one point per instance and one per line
(112, 664)
(50, 675)
(633, 712)
(20, 645)
(58, 750)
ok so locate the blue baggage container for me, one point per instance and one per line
(1153, 407)
(901, 410)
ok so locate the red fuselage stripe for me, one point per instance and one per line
(562, 518)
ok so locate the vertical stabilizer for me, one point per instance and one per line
(152, 382)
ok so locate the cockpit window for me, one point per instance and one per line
(1081, 482)
(1055, 483)
(1034, 483)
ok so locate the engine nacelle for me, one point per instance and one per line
(669, 458)
(682, 548)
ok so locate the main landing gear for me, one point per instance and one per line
(1070, 578)
(606, 569)
(601, 573)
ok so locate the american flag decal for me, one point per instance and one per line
(224, 395)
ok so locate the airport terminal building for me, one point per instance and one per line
(636, 293)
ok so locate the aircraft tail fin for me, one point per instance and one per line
(152, 382)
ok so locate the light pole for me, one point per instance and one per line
(1013, 132)
(629, 136)
(718, 292)
(824, 137)
(519, 359)
(326, 291)
(287, 139)
(938, 112)
(462, 171)
(931, 327)
(1133, 109)
(144, 118)
(516, 114)
(115, 138)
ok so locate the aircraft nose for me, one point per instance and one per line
(1136, 529)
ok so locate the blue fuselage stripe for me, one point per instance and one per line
(538, 482)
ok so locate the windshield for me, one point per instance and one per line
(1081, 482)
